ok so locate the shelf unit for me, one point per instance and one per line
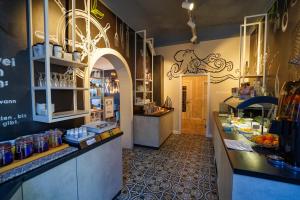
(61, 62)
(97, 113)
(262, 103)
(254, 23)
(50, 62)
(142, 67)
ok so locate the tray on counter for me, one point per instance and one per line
(78, 140)
(100, 126)
(87, 141)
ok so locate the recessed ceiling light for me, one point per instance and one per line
(187, 5)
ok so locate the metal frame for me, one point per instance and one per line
(49, 118)
(243, 45)
(208, 101)
(151, 40)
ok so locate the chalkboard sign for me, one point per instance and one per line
(15, 101)
(15, 95)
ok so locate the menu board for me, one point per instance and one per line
(15, 94)
(15, 102)
(109, 107)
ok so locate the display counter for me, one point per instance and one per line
(248, 175)
(152, 130)
(91, 173)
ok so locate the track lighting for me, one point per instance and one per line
(193, 39)
(190, 6)
(187, 5)
(194, 33)
(191, 23)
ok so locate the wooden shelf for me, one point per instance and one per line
(61, 62)
(59, 88)
(69, 113)
(61, 116)
(35, 156)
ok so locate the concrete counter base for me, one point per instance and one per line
(93, 174)
(152, 131)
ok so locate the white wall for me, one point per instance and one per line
(229, 50)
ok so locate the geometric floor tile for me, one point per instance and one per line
(183, 168)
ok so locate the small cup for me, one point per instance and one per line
(38, 50)
(41, 108)
(57, 51)
(68, 56)
(76, 56)
(50, 49)
(34, 51)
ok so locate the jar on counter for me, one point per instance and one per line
(13, 146)
(24, 147)
(6, 154)
(55, 138)
(40, 142)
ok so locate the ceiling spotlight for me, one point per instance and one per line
(193, 39)
(187, 5)
(191, 23)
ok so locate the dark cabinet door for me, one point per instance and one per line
(158, 79)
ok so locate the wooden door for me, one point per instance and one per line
(194, 105)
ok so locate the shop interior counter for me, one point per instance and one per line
(73, 171)
(248, 175)
(152, 130)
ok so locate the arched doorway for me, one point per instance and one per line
(126, 95)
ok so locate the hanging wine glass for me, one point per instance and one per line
(55, 79)
(70, 81)
(61, 80)
(52, 79)
(41, 80)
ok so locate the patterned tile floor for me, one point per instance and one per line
(183, 168)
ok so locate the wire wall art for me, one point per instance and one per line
(187, 62)
(66, 20)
